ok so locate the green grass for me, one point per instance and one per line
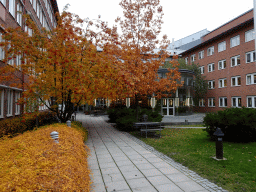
(193, 149)
(171, 126)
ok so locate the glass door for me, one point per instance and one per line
(168, 106)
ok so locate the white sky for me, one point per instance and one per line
(181, 17)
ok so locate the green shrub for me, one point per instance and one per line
(237, 124)
(17, 125)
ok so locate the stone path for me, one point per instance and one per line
(121, 162)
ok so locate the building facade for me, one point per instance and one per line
(42, 13)
(226, 57)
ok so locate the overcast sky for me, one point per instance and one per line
(181, 17)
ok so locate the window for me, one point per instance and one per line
(34, 4)
(222, 64)
(193, 58)
(249, 35)
(2, 53)
(250, 57)
(19, 14)
(201, 55)
(202, 103)
(28, 30)
(236, 101)
(222, 83)
(223, 102)
(211, 84)
(235, 60)
(251, 101)
(9, 102)
(1, 103)
(211, 67)
(235, 41)
(211, 102)
(17, 106)
(18, 61)
(3, 2)
(12, 7)
(236, 81)
(210, 51)
(222, 46)
(186, 60)
(251, 79)
(201, 69)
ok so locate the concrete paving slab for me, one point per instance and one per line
(116, 186)
(168, 188)
(159, 180)
(113, 177)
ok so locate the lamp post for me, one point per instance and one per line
(219, 143)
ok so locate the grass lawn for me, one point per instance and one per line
(193, 149)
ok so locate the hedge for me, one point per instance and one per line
(17, 125)
(237, 124)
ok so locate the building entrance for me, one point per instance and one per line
(168, 106)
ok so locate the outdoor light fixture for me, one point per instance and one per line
(55, 136)
(219, 144)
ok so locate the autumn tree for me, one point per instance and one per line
(142, 52)
(63, 68)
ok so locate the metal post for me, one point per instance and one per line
(219, 143)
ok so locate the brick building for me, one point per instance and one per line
(11, 15)
(226, 57)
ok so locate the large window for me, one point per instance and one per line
(235, 60)
(19, 14)
(1, 103)
(249, 35)
(12, 7)
(9, 102)
(201, 55)
(210, 51)
(211, 84)
(2, 53)
(235, 41)
(236, 101)
(17, 106)
(211, 67)
(211, 102)
(223, 102)
(251, 101)
(250, 57)
(235, 81)
(222, 46)
(251, 79)
(222, 83)
(18, 62)
(222, 64)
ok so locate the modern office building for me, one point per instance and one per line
(42, 13)
(226, 57)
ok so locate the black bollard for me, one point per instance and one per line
(219, 143)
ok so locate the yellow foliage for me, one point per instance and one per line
(33, 161)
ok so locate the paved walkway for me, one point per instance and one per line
(121, 162)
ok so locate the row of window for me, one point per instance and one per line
(10, 96)
(235, 102)
(234, 41)
(235, 81)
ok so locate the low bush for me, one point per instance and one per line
(237, 124)
(18, 125)
(32, 161)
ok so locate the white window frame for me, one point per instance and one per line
(223, 102)
(223, 83)
(17, 107)
(19, 14)
(249, 35)
(211, 84)
(210, 51)
(1, 103)
(201, 55)
(3, 2)
(201, 102)
(235, 41)
(186, 60)
(9, 102)
(210, 67)
(222, 64)
(201, 69)
(18, 62)
(250, 56)
(222, 46)
(211, 102)
(235, 81)
(193, 58)
(251, 79)
(12, 7)
(236, 102)
(235, 59)
(253, 101)
(2, 52)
